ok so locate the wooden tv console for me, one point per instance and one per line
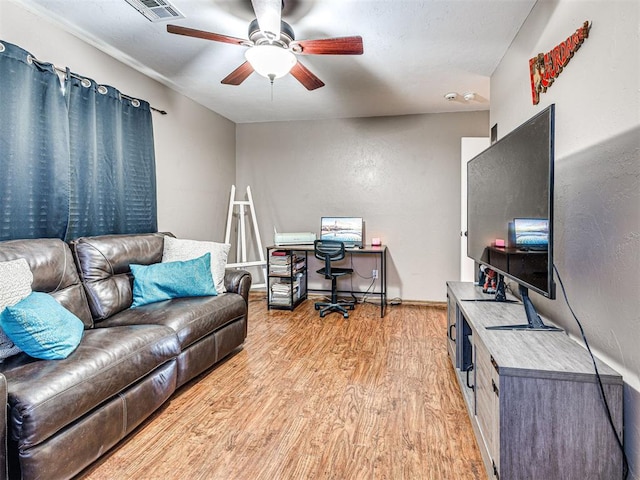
(532, 396)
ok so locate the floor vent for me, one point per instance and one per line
(156, 10)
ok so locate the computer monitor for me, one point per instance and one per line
(531, 233)
(349, 230)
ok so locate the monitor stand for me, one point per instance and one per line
(501, 295)
(534, 322)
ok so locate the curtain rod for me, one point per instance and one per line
(64, 70)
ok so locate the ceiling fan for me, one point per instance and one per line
(272, 47)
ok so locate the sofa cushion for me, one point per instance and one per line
(47, 395)
(68, 452)
(41, 327)
(15, 285)
(103, 262)
(163, 281)
(182, 249)
(191, 318)
(54, 272)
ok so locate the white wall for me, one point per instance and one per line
(597, 183)
(402, 174)
(195, 148)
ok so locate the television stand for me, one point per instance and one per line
(500, 295)
(534, 322)
(533, 400)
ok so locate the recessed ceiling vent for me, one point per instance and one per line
(156, 10)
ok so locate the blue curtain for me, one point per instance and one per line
(113, 180)
(34, 148)
(74, 161)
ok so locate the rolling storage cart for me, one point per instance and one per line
(286, 277)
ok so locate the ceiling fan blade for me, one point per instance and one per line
(216, 37)
(239, 75)
(306, 77)
(329, 46)
(268, 13)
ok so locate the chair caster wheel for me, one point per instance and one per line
(345, 315)
(317, 307)
(321, 314)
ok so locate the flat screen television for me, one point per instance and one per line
(510, 199)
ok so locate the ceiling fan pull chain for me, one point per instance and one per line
(271, 78)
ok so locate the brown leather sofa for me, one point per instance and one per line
(62, 415)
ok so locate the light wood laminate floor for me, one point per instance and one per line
(311, 398)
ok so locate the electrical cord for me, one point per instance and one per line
(369, 288)
(625, 461)
(359, 274)
(366, 293)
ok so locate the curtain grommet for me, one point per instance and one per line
(29, 59)
(85, 82)
(102, 89)
(2, 47)
(135, 102)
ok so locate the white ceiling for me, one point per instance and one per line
(415, 51)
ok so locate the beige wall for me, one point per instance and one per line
(195, 148)
(402, 174)
(597, 182)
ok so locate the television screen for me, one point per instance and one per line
(345, 229)
(510, 187)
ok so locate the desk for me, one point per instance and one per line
(366, 250)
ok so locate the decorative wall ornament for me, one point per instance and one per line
(545, 67)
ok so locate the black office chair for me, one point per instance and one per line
(331, 251)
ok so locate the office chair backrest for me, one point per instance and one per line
(329, 251)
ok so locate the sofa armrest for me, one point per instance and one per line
(238, 281)
(4, 467)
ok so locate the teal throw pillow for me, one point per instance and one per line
(41, 327)
(163, 281)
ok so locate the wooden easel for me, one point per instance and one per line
(241, 243)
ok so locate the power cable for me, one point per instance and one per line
(625, 461)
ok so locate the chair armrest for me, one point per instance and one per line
(238, 281)
(4, 468)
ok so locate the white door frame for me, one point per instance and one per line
(469, 148)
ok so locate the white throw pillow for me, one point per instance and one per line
(15, 285)
(179, 250)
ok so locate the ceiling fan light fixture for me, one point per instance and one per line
(270, 61)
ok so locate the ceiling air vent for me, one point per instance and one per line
(156, 10)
